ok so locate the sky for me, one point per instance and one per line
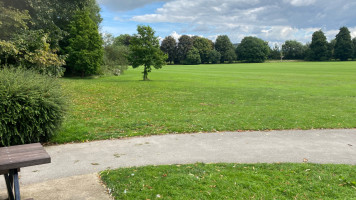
(272, 20)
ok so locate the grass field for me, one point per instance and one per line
(233, 181)
(205, 98)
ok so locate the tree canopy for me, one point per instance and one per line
(204, 46)
(185, 44)
(253, 50)
(354, 47)
(169, 46)
(85, 45)
(293, 49)
(275, 53)
(318, 47)
(193, 57)
(35, 33)
(224, 46)
(343, 46)
(145, 50)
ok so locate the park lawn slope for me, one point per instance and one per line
(233, 181)
(209, 98)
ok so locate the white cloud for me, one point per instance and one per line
(118, 19)
(301, 2)
(273, 20)
(125, 5)
(353, 32)
(175, 35)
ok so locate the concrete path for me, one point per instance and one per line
(315, 146)
(83, 187)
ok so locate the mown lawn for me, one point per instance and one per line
(207, 98)
(233, 181)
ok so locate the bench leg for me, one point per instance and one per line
(16, 184)
(9, 184)
(12, 184)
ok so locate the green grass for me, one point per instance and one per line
(208, 98)
(233, 181)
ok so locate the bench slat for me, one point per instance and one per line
(6, 156)
(15, 157)
(21, 148)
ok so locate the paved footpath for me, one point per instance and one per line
(315, 146)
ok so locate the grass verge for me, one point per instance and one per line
(233, 181)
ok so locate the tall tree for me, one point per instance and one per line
(293, 49)
(169, 46)
(343, 46)
(252, 49)
(123, 39)
(275, 53)
(331, 47)
(214, 56)
(193, 57)
(354, 43)
(54, 16)
(318, 47)
(204, 46)
(85, 45)
(185, 44)
(12, 21)
(145, 50)
(224, 46)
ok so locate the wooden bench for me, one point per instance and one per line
(13, 158)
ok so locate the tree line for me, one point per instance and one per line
(197, 50)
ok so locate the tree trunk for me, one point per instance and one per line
(145, 74)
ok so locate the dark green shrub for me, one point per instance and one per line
(31, 107)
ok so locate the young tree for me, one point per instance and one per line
(169, 46)
(185, 44)
(253, 50)
(343, 46)
(224, 46)
(145, 50)
(318, 47)
(85, 45)
(293, 49)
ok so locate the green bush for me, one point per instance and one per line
(32, 107)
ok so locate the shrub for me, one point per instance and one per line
(32, 107)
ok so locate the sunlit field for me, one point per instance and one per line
(209, 98)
